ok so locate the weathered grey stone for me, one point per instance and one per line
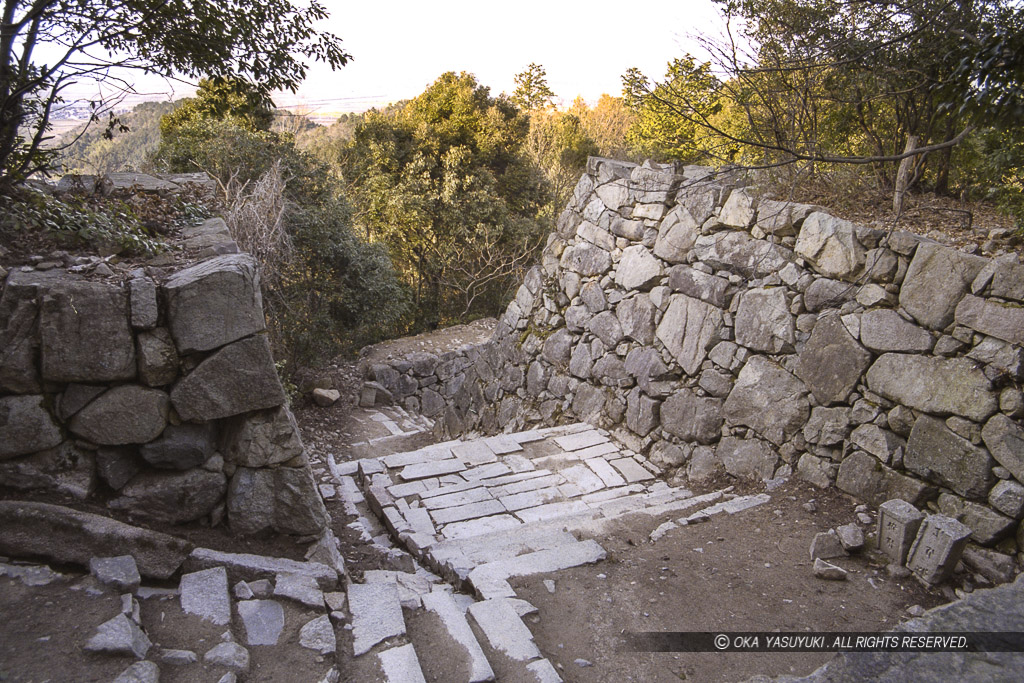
(937, 279)
(593, 297)
(636, 317)
(139, 672)
(716, 382)
(769, 400)
(689, 328)
(262, 439)
(703, 464)
(205, 594)
(741, 253)
(318, 635)
(763, 321)
(1007, 496)
(1000, 355)
(504, 630)
(738, 210)
(19, 343)
(214, 303)
(229, 655)
(122, 415)
(172, 497)
(1005, 440)
(1002, 277)
(236, 379)
(299, 587)
(121, 572)
(879, 442)
(747, 458)
(937, 549)
(826, 293)
(692, 418)
(851, 536)
(581, 363)
(987, 526)
(84, 333)
(609, 369)
(942, 386)
(827, 426)
(180, 447)
(881, 265)
(263, 621)
(699, 285)
(65, 535)
(157, 357)
(827, 545)
(676, 236)
(631, 230)
(376, 614)
(831, 244)
(607, 328)
(250, 500)
(637, 269)
(66, 469)
(586, 259)
(641, 412)
(864, 477)
(120, 636)
(26, 426)
(831, 362)
(937, 454)
(576, 318)
(815, 470)
(298, 507)
(613, 194)
(828, 571)
(898, 524)
(995, 318)
(665, 454)
(557, 347)
(142, 298)
(883, 330)
(589, 402)
(781, 218)
(254, 569)
(593, 234)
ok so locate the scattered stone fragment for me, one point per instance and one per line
(140, 672)
(318, 635)
(178, 657)
(205, 594)
(263, 621)
(550, 585)
(299, 587)
(243, 591)
(582, 663)
(851, 536)
(120, 573)
(119, 635)
(827, 545)
(829, 572)
(663, 529)
(230, 655)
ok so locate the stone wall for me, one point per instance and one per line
(155, 393)
(714, 328)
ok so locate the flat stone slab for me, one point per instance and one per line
(263, 621)
(584, 477)
(542, 561)
(529, 499)
(205, 594)
(503, 444)
(299, 587)
(432, 469)
(475, 452)
(474, 495)
(575, 442)
(631, 470)
(453, 618)
(429, 454)
(401, 665)
(464, 512)
(376, 614)
(246, 567)
(606, 472)
(504, 630)
(544, 671)
(542, 512)
(476, 527)
(119, 572)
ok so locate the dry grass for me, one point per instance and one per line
(255, 216)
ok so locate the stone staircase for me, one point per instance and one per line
(468, 516)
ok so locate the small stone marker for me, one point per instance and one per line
(898, 524)
(938, 548)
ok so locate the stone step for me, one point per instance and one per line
(376, 614)
(401, 665)
(508, 642)
(453, 619)
(538, 562)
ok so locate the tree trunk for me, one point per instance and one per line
(903, 176)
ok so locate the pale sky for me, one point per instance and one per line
(399, 47)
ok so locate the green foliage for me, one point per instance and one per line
(92, 151)
(443, 181)
(266, 43)
(72, 220)
(607, 123)
(532, 91)
(559, 146)
(222, 99)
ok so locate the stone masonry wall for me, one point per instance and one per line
(157, 394)
(714, 328)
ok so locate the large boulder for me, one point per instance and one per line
(943, 386)
(747, 458)
(180, 447)
(1002, 277)
(769, 400)
(158, 359)
(831, 245)
(122, 415)
(641, 412)
(827, 293)
(234, 380)
(883, 330)
(84, 333)
(172, 497)
(831, 362)
(763, 321)
(636, 316)
(637, 268)
(691, 417)
(284, 499)
(1005, 440)
(64, 535)
(935, 453)
(264, 438)
(19, 332)
(26, 426)
(936, 281)
(987, 526)
(676, 235)
(65, 469)
(214, 303)
(694, 283)
(740, 253)
(586, 259)
(689, 328)
(995, 318)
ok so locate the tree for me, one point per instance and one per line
(558, 145)
(92, 152)
(223, 99)
(443, 181)
(264, 43)
(607, 124)
(532, 91)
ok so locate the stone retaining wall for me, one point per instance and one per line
(714, 328)
(157, 394)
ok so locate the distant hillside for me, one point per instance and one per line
(93, 153)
